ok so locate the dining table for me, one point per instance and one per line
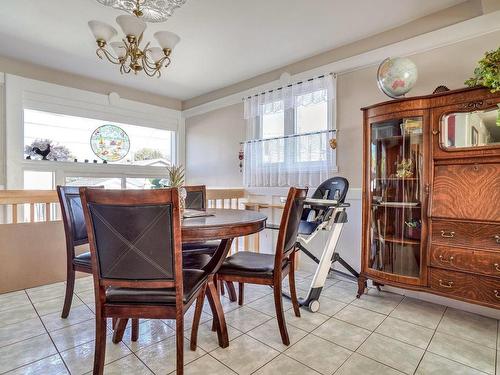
(224, 225)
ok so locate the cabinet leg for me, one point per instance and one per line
(378, 286)
(362, 285)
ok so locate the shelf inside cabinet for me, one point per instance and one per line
(397, 179)
(397, 138)
(397, 205)
(404, 241)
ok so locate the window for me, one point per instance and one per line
(311, 118)
(142, 167)
(273, 125)
(35, 180)
(293, 129)
(69, 137)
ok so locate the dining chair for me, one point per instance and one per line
(197, 255)
(135, 243)
(196, 199)
(76, 234)
(267, 269)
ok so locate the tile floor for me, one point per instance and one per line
(381, 333)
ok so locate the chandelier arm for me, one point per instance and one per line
(149, 63)
(108, 56)
(168, 61)
(125, 68)
(150, 74)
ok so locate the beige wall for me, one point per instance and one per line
(218, 133)
(212, 147)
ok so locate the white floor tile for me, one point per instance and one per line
(161, 356)
(393, 353)
(80, 359)
(25, 352)
(245, 355)
(321, 355)
(52, 365)
(13, 333)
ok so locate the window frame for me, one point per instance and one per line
(22, 93)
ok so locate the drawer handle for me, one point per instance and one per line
(497, 266)
(442, 260)
(497, 294)
(497, 238)
(448, 284)
(447, 234)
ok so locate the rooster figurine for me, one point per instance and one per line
(43, 153)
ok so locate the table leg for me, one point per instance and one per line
(218, 313)
(213, 296)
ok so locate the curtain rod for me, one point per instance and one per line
(290, 85)
(289, 136)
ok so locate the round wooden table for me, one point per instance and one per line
(224, 225)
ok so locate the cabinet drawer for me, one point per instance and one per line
(489, 289)
(467, 191)
(483, 262)
(472, 287)
(453, 283)
(454, 233)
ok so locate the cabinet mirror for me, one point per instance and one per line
(471, 129)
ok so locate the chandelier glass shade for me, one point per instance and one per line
(128, 53)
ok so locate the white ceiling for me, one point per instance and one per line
(222, 41)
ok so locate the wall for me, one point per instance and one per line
(212, 146)
(224, 128)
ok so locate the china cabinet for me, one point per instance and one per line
(431, 195)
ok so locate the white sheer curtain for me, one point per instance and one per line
(315, 90)
(302, 160)
(294, 159)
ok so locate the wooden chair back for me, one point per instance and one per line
(135, 237)
(72, 216)
(289, 226)
(196, 198)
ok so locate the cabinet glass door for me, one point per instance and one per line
(396, 172)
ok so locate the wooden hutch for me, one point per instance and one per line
(431, 195)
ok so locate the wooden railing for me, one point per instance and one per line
(29, 206)
(226, 198)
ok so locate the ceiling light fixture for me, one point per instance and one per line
(127, 53)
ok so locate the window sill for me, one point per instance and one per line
(95, 168)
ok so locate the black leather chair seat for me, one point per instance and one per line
(195, 261)
(193, 280)
(248, 263)
(207, 247)
(83, 260)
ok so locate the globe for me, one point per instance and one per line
(396, 76)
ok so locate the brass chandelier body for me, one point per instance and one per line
(135, 59)
(128, 53)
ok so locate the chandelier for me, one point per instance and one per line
(128, 53)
